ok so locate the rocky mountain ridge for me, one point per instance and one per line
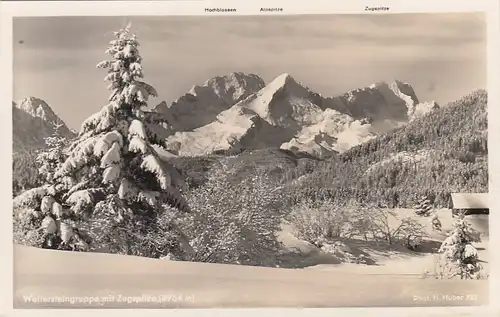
(238, 111)
(32, 121)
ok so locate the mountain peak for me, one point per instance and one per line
(242, 75)
(281, 81)
(400, 82)
(234, 84)
(33, 120)
(390, 83)
(285, 76)
(285, 101)
(203, 103)
(38, 108)
(286, 82)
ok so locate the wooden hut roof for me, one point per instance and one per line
(470, 200)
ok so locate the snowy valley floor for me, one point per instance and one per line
(312, 279)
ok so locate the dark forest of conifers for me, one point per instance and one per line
(452, 140)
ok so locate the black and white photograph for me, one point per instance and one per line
(260, 161)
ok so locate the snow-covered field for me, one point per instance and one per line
(103, 280)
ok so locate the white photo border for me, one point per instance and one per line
(9, 10)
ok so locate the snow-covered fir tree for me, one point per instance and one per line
(51, 158)
(460, 257)
(424, 207)
(111, 187)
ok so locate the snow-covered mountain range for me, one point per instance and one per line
(237, 111)
(202, 104)
(32, 121)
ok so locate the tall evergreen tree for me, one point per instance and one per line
(51, 158)
(112, 190)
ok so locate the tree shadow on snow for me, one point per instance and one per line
(429, 246)
(382, 248)
(298, 259)
(357, 251)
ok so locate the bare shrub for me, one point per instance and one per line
(234, 222)
(385, 224)
(316, 222)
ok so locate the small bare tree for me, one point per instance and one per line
(386, 225)
(317, 222)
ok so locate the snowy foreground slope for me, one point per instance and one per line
(200, 285)
(133, 282)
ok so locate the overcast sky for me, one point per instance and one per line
(443, 56)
